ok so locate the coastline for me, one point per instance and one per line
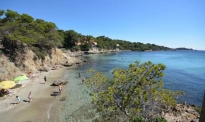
(38, 109)
(46, 107)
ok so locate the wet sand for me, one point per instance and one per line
(38, 109)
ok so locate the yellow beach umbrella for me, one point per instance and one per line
(7, 84)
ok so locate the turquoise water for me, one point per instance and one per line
(185, 70)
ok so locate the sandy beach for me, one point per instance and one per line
(38, 109)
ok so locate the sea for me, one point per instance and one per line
(185, 71)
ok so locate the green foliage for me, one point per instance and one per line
(1, 12)
(26, 29)
(23, 27)
(136, 91)
(86, 47)
(198, 109)
(25, 18)
(1, 52)
(70, 38)
(76, 48)
(40, 55)
(11, 16)
(160, 119)
(138, 119)
(38, 34)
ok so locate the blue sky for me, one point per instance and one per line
(172, 23)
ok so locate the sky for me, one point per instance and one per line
(171, 23)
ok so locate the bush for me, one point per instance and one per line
(198, 109)
(1, 52)
(160, 119)
(40, 55)
(138, 119)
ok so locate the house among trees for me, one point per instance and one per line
(117, 47)
(94, 46)
(78, 43)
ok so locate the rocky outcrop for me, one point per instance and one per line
(7, 69)
(182, 113)
(18, 58)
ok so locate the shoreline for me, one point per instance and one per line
(42, 98)
(46, 107)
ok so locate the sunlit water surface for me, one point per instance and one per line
(185, 71)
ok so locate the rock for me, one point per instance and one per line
(19, 58)
(67, 63)
(78, 61)
(56, 83)
(46, 69)
(63, 99)
(193, 105)
(182, 113)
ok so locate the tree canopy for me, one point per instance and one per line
(137, 91)
(40, 33)
(14, 26)
(72, 37)
(36, 33)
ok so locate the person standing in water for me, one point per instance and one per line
(83, 80)
(30, 97)
(79, 74)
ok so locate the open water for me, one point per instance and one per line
(185, 70)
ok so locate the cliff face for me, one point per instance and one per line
(8, 70)
(18, 58)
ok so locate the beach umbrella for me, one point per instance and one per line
(20, 78)
(7, 84)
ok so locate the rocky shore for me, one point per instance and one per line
(20, 59)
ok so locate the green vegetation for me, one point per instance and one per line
(198, 109)
(41, 36)
(38, 34)
(137, 91)
(71, 38)
(34, 32)
(183, 48)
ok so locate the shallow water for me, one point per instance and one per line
(185, 70)
(76, 97)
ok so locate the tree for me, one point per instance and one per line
(1, 12)
(71, 37)
(137, 91)
(11, 16)
(25, 18)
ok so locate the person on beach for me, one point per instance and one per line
(60, 88)
(83, 80)
(79, 74)
(19, 100)
(30, 97)
(45, 79)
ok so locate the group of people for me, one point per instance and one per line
(83, 79)
(60, 87)
(4, 92)
(29, 98)
(29, 95)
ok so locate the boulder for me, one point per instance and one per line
(46, 69)
(56, 83)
